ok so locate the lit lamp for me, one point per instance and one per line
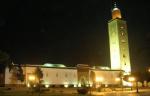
(99, 80)
(117, 79)
(131, 79)
(148, 69)
(31, 79)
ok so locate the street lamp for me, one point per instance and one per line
(131, 79)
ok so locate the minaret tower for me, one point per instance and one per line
(118, 42)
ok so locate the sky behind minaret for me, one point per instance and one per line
(70, 31)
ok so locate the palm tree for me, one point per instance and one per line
(5, 61)
(4, 58)
(20, 74)
(39, 75)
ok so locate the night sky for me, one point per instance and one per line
(70, 31)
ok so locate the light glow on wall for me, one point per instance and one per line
(31, 77)
(28, 85)
(117, 79)
(46, 85)
(131, 79)
(79, 85)
(75, 85)
(115, 55)
(99, 79)
(66, 84)
(127, 71)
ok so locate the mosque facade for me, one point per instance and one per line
(58, 74)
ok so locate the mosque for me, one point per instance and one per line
(60, 75)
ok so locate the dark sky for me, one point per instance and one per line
(71, 31)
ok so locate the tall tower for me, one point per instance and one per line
(118, 42)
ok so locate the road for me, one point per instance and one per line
(123, 93)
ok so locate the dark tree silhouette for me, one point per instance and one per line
(4, 61)
(3, 56)
(38, 74)
(20, 74)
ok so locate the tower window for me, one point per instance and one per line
(124, 56)
(122, 33)
(121, 27)
(123, 41)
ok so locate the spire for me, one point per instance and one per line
(115, 5)
(116, 13)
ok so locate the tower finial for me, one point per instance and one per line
(116, 11)
(115, 5)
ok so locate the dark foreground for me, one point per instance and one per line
(17, 91)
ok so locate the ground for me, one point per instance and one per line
(18, 91)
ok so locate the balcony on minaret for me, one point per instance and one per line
(116, 13)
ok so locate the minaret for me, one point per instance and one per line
(118, 42)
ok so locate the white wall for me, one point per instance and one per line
(59, 76)
(62, 75)
(109, 77)
(55, 75)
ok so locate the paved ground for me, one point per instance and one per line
(69, 92)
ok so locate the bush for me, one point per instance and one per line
(83, 90)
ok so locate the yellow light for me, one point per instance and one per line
(130, 84)
(75, 85)
(34, 85)
(97, 86)
(28, 85)
(46, 85)
(31, 78)
(99, 79)
(117, 79)
(115, 54)
(149, 70)
(66, 85)
(127, 70)
(79, 85)
(106, 85)
(87, 85)
(131, 79)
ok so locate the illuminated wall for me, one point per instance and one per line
(119, 48)
(61, 76)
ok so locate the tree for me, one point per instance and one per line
(38, 74)
(92, 75)
(20, 74)
(17, 74)
(4, 57)
(5, 61)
